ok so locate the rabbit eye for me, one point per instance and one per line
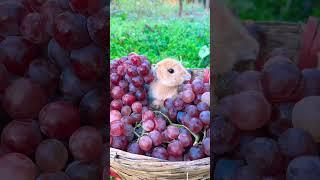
(170, 71)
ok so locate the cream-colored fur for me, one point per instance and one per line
(166, 84)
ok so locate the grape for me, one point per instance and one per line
(98, 25)
(168, 103)
(165, 137)
(70, 31)
(205, 97)
(132, 71)
(72, 87)
(4, 78)
(202, 106)
(117, 92)
(115, 78)
(134, 148)
(92, 107)
(135, 117)
(195, 125)
(148, 78)
(246, 173)
(254, 115)
(137, 81)
(58, 55)
(185, 139)
(188, 96)
(172, 113)
(51, 155)
(44, 73)
(17, 166)
(124, 85)
(128, 131)
(160, 153)
(192, 110)
(206, 146)
(264, 155)
(53, 176)
(160, 124)
(198, 86)
(224, 135)
(175, 158)
(11, 15)
(23, 99)
(156, 137)
(120, 142)
(282, 80)
(126, 111)
(175, 148)
(205, 118)
(312, 78)
(16, 54)
(21, 137)
(195, 152)
(282, 118)
(143, 70)
(116, 128)
(83, 171)
(86, 144)
(226, 168)
(304, 167)
(59, 119)
(173, 132)
(296, 142)
(85, 7)
(136, 107)
(128, 99)
(178, 104)
(148, 125)
(145, 143)
(115, 115)
(33, 28)
(148, 115)
(248, 80)
(87, 62)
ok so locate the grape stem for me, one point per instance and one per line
(196, 137)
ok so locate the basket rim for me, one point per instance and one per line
(156, 160)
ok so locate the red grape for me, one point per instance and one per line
(160, 153)
(98, 25)
(192, 110)
(195, 152)
(120, 142)
(85, 7)
(33, 28)
(70, 31)
(160, 124)
(136, 107)
(156, 137)
(83, 171)
(86, 144)
(23, 99)
(115, 115)
(206, 146)
(4, 78)
(185, 139)
(126, 111)
(148, 125)
(116, 128)
(148, 115)
(173, 132)
(205, 118)
(53, 176)
(59, 119)
(248, 80)
(51, 155)
(195, 125)
(145, 143)
(175, 148)
(188, 96)
(178, 104)
(16, 54)
(202, 106)
(21, 137)
(128, 99)
(135, 148)
(58, 55)
(304, 167)
(17, 166)
(117, 92)
(312, 77)
(137, 81)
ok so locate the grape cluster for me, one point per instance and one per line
(174, 133)
(266, 128)
(52, 98)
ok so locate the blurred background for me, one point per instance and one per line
(161, 28)
(275, 10)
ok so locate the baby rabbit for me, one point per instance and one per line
(169, 74)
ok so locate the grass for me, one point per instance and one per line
(154, 29)
(276, 10)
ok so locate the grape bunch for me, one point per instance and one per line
(52, 98)
(268, 126)
(174, 133)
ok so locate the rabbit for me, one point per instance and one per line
(169, 74)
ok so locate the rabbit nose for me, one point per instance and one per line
(187, 77)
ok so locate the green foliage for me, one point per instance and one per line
(276, 10)
(155, 30)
